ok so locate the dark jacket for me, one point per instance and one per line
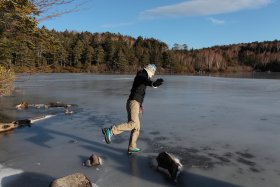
(138, 89)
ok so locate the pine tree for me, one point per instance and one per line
(109, 50)
(88, 57)
(77, 54)
(120, 61)
(17, 27)
(99, 56)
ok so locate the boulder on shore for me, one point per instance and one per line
(73, 180)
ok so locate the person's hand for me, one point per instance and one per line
(158, 82)
(141, 109)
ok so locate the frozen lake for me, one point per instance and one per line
(224, 130)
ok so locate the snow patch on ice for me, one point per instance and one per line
(5, 172)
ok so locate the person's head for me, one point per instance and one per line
(151, 70)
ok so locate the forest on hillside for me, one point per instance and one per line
(26, 48)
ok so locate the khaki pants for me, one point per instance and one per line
(132, 125)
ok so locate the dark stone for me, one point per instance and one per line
(93, 161)
(169, 162)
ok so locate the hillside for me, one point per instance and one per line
(26, 48)
(256, 56)
(69, 51)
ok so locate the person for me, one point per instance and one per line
(134, 106)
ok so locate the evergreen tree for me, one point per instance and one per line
(17, 26)
(145, 59)
(109, 50)
(77, 54)
(99, 56)
(88, 57)
(120, 62)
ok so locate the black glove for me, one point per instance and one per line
(158, 82)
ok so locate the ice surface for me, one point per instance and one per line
(224, 130)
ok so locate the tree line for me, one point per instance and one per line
(255, 56)
(26, 48)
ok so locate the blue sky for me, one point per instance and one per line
(197, 23)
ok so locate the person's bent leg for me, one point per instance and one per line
(134, 123)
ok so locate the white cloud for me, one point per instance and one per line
(203, 8)
(216, 21)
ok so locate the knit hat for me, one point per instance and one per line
(151, 69)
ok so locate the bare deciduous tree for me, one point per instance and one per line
(48, 9)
